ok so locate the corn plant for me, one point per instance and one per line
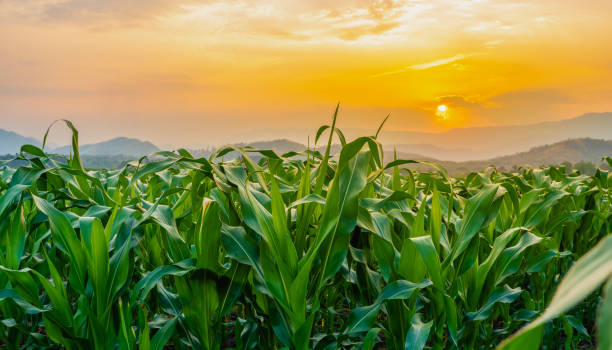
(251, 249)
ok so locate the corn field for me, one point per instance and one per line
(249, 249)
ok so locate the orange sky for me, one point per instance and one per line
(189, 72)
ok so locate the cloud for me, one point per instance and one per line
(427, 65)
(352, 21)
(108, 9)
(346, 19)
(439, 62)
(378, 21)
(458, 101)
(355, 33)
(91, 13)
(493, 43)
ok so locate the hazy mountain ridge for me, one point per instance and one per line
(118, 146)
(572, 151)
(279, 146)
(432, 151)
(11, 142)
(479, 143)
(468, 143)
(501, 146)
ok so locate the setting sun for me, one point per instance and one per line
(182, 71)
(442, 112)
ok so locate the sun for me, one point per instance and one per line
(442, 112)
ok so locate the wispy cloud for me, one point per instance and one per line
(493, 43)
(439, 62)
(427, 65)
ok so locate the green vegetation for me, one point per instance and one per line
(89, 162)
(304, 250)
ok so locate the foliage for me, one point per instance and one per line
(305, 250)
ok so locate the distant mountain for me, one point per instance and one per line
(573, 151)
(488, 142)
(462, 149)
(11, 142)
(461, 144)
(118, 146)
(280, 146)
(433, 151)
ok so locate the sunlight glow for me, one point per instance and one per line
(442, 112)
(189, 67)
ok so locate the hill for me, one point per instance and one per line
(572, 151)
(434, 151)
(536, 144)
(122, 146)
(279, 146)
(11, 142)
(489, 142)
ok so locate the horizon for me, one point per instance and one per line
(292, 138)
(181, 72)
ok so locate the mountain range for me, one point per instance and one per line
(118, 146)
(572, 151)
(478, 143)
(578, 139)
(11, 142)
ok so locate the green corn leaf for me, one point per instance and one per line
(96, 248)
(362, 318)
(162, 336)
(142, 288)
(339, 215)
(588, 273)
(208, 236)
(241, 247)
(369, 341)
(425, 246)
(604, 319)
(504, 295)
(478, 209)
(66, 237)
(9, 294)
(418, 334)
(435, 219)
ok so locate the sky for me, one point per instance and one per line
(208, 72)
